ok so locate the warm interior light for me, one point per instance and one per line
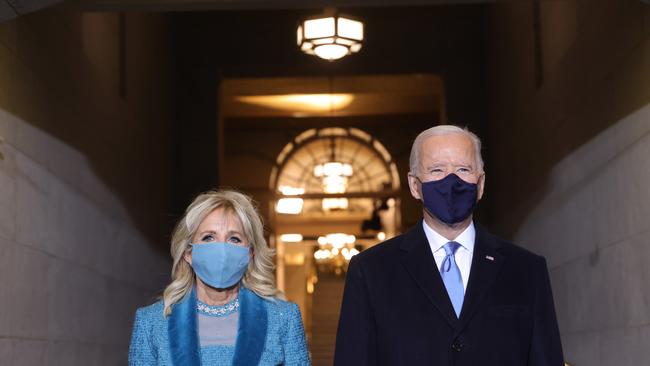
(291, 191)
(334, 177)
(289, 206)
(336, 244)
(338, 240)
(329, 204)
(331, 51)
(299, 35)
(348, 254)
(347, 170)
(329, 37)
(336, 168)
(334, 184)
(333, 168)
(321, 254)
(300, 102)
(381, 235)
(291, 238)
(319, 28)
(349, 28)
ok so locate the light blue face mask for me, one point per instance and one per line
(220, 265)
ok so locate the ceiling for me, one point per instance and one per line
(195, 5)
(332, 96)
(10, 9)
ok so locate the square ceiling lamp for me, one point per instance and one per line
(330, 37)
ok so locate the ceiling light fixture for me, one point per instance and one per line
(334, 176)
(330, 36)
(290, 206)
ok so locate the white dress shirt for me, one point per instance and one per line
(463, 253)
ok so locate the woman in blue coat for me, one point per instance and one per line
(222, 306)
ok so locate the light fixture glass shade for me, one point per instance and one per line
(349, 28)
(289, 206)
(307, 47)
(335, 245)
(291, 238)
(330, 37)
(347, 170)
(291, 191)
(329, 204)
(331, 51)
(334, 184)
(333, 168)
(319, 28)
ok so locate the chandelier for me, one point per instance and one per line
(290, 206)
(330, 37)
(337, 248)
(334, 176)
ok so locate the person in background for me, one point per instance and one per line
(222, 306)
(447, 292)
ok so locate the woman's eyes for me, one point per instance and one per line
(208, 237)
(234, 240)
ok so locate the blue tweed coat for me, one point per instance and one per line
(269, 333)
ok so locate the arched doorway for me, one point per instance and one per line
(336, 193)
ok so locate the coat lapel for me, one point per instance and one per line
(251, 334)
(182, 331)
(486, 263)
(419, 263)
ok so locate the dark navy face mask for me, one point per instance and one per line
(449, 199)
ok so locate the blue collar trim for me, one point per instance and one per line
(251, 333)
(183, 335)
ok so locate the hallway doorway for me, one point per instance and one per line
(333, 186)
(337, 194)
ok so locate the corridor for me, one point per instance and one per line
(325, 316)
(116, 114)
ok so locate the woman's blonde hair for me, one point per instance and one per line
(259, 276)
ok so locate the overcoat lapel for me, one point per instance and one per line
(419, 263)
(182, 332)
(253, 324)
(486, 263)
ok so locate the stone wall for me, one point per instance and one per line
(84, 183)
(570, 165)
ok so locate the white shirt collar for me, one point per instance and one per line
(437, 241)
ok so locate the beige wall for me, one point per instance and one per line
(84, 183)
(569, 169)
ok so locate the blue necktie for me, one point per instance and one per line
(451, 277)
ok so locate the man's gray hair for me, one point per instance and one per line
(414, 161)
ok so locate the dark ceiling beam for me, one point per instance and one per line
(197, 5)
(274, 123)
(10, 9)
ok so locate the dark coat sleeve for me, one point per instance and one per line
(546, 347)
(356, 335)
